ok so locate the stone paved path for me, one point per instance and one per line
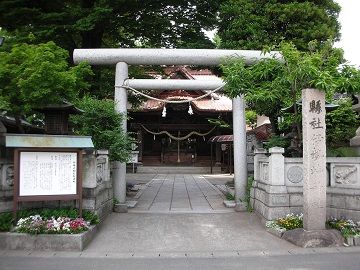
(180, 193)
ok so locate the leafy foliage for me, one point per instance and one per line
(254, 24)
(341, 152)
(347, 227)
(341, 124)
(36, 75)
(277, 141)
(251, 118)
(270, 85)
(103, 123)
(6, 220)
(109, 23)
(249, 184)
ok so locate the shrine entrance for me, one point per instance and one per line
(199, 57)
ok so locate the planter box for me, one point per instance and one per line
(357, 241)
(275, 232)
(50, 242)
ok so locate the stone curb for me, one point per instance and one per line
(47, 242)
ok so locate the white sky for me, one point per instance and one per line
(349, 19)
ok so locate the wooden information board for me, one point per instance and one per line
(47, 175)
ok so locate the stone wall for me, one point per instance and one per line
(97, 185)
(277, 187)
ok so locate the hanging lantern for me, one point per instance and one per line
(154, 137)
(190, 111)
(164, 111)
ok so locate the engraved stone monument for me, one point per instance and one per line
(314, 159)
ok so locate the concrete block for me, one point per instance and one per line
(294, 189)
(6, 195)
(240, 207)
(276, 166)
(89, 171)
(337, 201)
(229, 204)
(104, 210)
(89, 204)
(47, 242)
(272, 213)
(348, 214)
(67, 204)
(328, 201)
(343, 191)
(120, 208)
(272, 189)
(296, 200)
(357, 241)
(349, 241)
(6, 206)
(296, 210)
(274, 200)
(352, 203)
(274, 232)
(260, 195)
(30, 205)
(331, 213)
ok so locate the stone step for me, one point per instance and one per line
(177, 170)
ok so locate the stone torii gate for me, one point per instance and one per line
(206, 57)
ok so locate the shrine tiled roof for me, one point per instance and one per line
(216, 102)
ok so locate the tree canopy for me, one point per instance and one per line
(32, 76)
(270, 85)
(110, 23)
(253, 24)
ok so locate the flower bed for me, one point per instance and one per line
(349, 229)
(281, 225)
(48, 229)
(61, 225)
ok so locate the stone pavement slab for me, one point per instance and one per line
(164, 233)
(174, 193)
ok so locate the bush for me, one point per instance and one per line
(6, 220)
(277, 141)
(341, 124)
(101, 121)
(347, 227)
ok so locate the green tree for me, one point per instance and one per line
(253, 24)
(341, 124)
(36, 75)
(270, 85)
(101, 121)
(111, 23)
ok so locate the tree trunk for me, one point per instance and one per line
(274, 124)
